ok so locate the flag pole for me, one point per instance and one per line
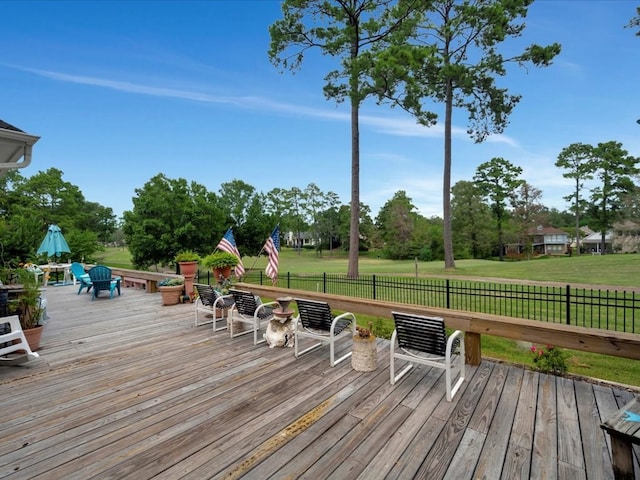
(257, 257)
(261, 250)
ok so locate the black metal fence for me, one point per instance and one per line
(594, 308)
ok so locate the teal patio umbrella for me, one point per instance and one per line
(54, 243)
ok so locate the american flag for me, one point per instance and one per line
(272, 248)
(228, 244)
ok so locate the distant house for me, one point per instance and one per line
(542, 241)
(593, 243)
(299, 239)
(548, 241)
(624, 237)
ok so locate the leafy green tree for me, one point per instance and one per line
(577, 160)
(155, 233)
(253, 233)
(470, 221)
(496, 179)
(328, 221)
(55, 199)
(277, 205)
(98, 219)
(29, 205)
(396, 225)
(296, 213)
(347, 30)
(453, 59)
(614, 167)
(527, 213)
(366, 228)
(236, 196)
(630, 207)
(315, 202)
(555, 218)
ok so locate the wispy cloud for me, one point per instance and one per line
(394, 126)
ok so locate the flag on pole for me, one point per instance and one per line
(228, 244)
(272, 248)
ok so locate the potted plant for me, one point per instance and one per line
(171, 290)
(364, 351)
(220, 262)
(188, 261)
(223, 286)
(29, 305)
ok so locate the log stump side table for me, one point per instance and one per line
(280, 329)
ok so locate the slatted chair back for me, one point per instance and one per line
(315, 315)
(101, 279)
(316, 321)
(424, 334)
(206, 294)
(212, 302)
(81, 276)
(423, 340)
(100, 273)
(249, 310)
(246, 304)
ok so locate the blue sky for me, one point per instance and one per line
(121, 91)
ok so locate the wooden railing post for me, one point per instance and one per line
(473, 348)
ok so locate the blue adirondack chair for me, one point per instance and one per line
(101, 279)
(82, 277)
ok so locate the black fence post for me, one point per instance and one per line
(568, 304)
(324, 282)
(448, 293)
(373, 278)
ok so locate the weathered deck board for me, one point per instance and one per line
(128, 388)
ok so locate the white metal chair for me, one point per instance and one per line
(423, 340)
(211, 303)
(315, 320)
(248, 309)
(14, 353)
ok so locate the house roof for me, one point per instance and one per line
(596, 237)
(14, 146)
(540, 230)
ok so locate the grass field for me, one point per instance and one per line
(614, 270)
(606, 270)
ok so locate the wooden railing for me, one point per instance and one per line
(474, 325)
(149, 279)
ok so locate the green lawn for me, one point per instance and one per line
(614, 270)
(611, 270)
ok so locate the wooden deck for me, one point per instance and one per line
(128, 388)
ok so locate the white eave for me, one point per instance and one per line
(15, 149)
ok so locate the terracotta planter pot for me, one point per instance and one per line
(188, 269)
(171, 294)
(224, 272)
(33, 336)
